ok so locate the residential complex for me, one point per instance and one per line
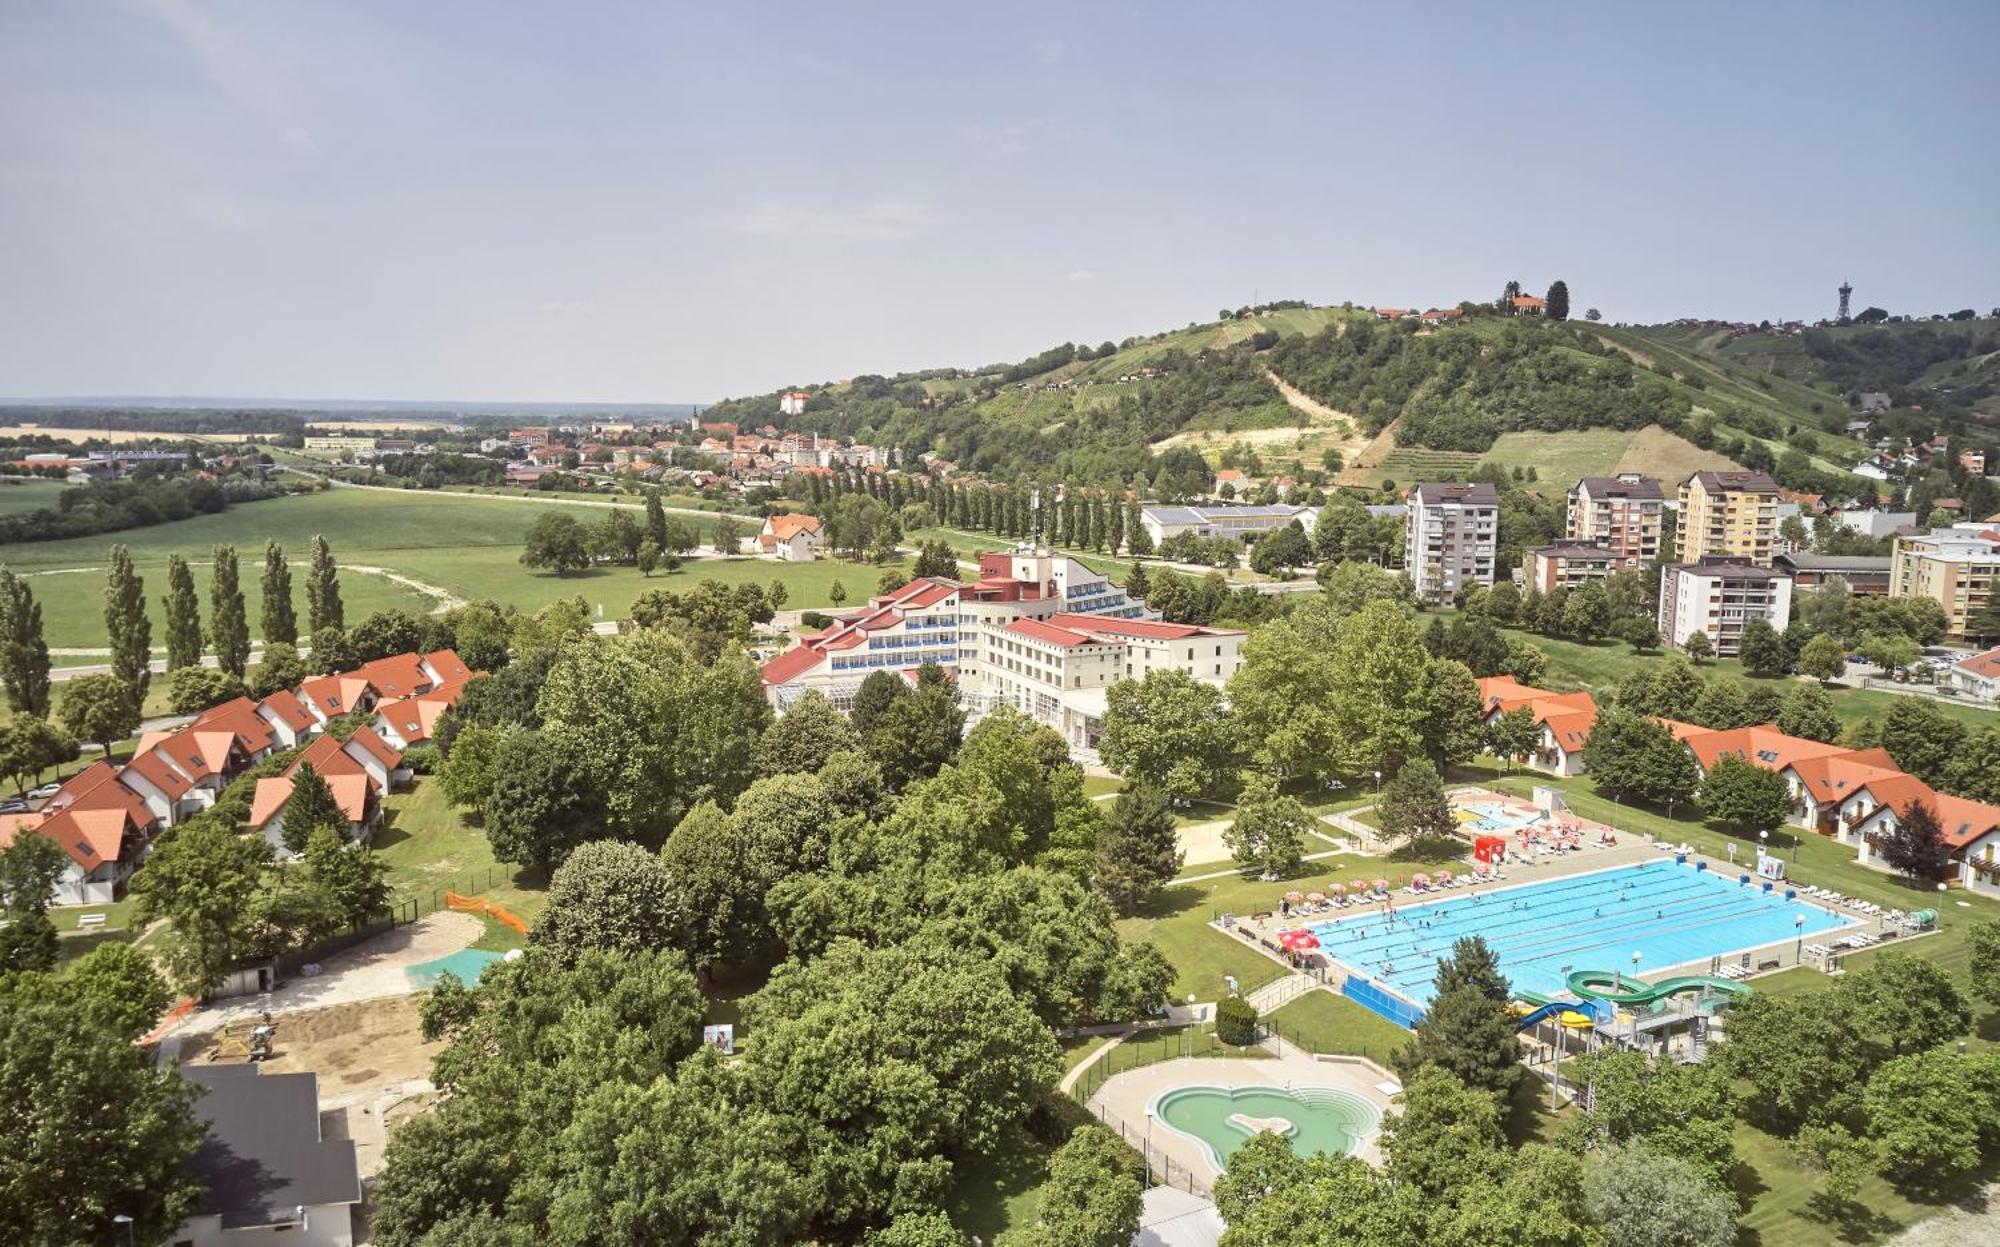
(1717, 596)
(1566, 564)
(1623, 513)
(1957, 567)
(1732, 514)
(1036, 631)
(1162, 522)
(1452, 538)
(1856, 796)
(106, 817)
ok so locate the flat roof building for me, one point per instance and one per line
(1728, 514)
(1451, 537)
(1717, 596)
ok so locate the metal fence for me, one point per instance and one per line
(1163, 1169)
(404, 908)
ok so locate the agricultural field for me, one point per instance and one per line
(1558, 459)
(443, 547)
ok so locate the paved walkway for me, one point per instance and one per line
(368, 971)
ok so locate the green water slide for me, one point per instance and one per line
(1633, 993)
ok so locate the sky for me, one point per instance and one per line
(655, 202)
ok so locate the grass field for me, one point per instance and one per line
(1599, 666)
(18, 495)
(467, 546)
(1323, 1022)
(428, 845)
(1557, 458)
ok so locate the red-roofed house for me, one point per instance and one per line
(790, 538)
(290, 721)
(351, 792)
(330, 696)
(1977, 677)
(102, 826)
(444, 667)
(399, 675)
(1565, 720)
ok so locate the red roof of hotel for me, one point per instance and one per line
(883, 611)
(792, 664)
(1764, 745)
(1037, 630)
(1151, 628)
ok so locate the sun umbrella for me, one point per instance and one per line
(1294, 941)
(1295, 897)
(1336, 887)
(1420, 878)
(1444, 874)
(1381, 885)
(1315, 897)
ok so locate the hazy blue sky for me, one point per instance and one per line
(650, 202)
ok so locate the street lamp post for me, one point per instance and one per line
(122, 1219)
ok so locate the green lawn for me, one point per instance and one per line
(18, 496)
(467, 545)
(429, 846)
(1323, 1022)
(1599, 666)
(1177, 921)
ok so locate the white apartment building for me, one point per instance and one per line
(1451, 538)
(1162, 522)
(1718, 595)
(1038, 632)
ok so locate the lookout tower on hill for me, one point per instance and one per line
(1846, 293)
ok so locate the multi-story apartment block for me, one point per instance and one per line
(1622, 513)
(1957, 567)
(1729, 515)
(1718, 595)
(1038, 632)
(1566, 564)
(1451, 538)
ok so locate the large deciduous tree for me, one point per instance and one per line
(30, 868)
(1744, 797)
(1414, 809)
(1269, 832)
(94, 1129)
(1094, 1192)
(809, 732)
(205, 880)
(1915, 845)
(102, 708)
(1168, 730)
(610, 895)
(557, 542)
(545, 799)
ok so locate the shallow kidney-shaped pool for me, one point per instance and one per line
(1221, 1119)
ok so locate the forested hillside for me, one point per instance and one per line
(1288, 387)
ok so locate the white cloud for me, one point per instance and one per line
(886, 220)
(1081, 274)
(299, 139)
(1049, 51)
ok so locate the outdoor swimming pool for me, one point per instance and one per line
(467, 963)
(1494, 816)
(1316, 1119)
(1669, 914)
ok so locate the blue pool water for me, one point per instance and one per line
(1496, 816)
(468, 964)
(1670, 914)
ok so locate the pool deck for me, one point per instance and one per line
(1263, 928)
(1124, 1101)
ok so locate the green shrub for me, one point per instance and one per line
(1236, 1021)
(421, 759)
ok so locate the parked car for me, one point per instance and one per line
(13, 805)
(46, 791)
